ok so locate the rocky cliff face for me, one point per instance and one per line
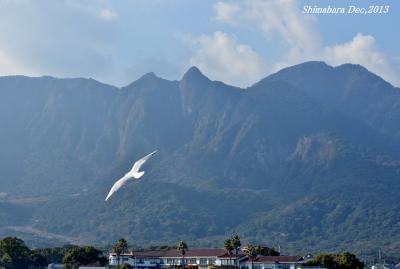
(305, 158)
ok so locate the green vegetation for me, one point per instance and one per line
(55, 254)
(38, 260)
(182, 248)
(251, 252)
(162, 247)
(14, 254)
(344, 260)
(121, 246)
(235, 241)
(86, 255)
(232, 244)
(228, 246)
(267, 251)
(307, 158)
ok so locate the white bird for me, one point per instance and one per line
(132, 174)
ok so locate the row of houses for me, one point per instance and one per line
(204, 259)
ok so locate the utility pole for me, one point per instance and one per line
(379, 256)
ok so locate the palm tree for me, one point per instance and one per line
(228, 246)
(182, 248)
(235, 240)
(120, 247)
(251, 252)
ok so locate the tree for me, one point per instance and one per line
(38, 260)
(348, 260)
(251, 252)
(120, 247)
(91, 255)
(228, 246)
(325, 260)
(5, 260)
(235, 240)
(53, 255)
(266, 251)
(344, 260)
(77, 256)
(182, 248)
(14, 253)
(72, 258)
(102, 261)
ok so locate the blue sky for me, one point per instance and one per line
(237, 42)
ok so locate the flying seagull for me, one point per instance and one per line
(133, 174)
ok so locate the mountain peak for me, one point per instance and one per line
(150, 75)
(313, 64)
(291, 73)
(349, 67)
(310, 66)
(194, 73)
(145, 79)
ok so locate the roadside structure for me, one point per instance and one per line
(204, 259)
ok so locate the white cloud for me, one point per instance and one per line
(282, 17)
(221, 57)
(98, 39)
(299, 33)
(226, 12)
(362, 50)
(107, 14)
(11, 66)
(54, 38)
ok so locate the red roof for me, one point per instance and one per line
(279, 259)
(231, 256)
(148, 254)
(200, 252)
(210, 252)
(122, 254)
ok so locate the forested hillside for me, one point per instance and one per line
(307, 158)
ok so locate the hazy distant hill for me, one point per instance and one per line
(307, 158)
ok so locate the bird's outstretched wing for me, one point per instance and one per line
(134, 173)
(136, 166)
(117, 185)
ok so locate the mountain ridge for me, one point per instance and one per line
(277, 162)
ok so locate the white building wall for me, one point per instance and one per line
(113, 261)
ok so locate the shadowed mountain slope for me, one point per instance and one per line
(307, 158)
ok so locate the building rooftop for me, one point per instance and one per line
(232, 256)
(200, 252)
(210, 252)
(278, 259)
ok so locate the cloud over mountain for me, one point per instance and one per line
(301, 36)
(221, 57)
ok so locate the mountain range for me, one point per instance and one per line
(307, 158)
